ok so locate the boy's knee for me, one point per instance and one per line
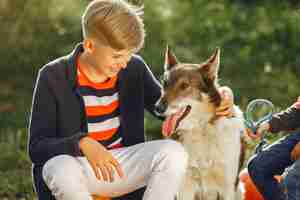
(174, 155)
(60, 165)
(63, 173)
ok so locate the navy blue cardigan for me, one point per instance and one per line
(58, 121)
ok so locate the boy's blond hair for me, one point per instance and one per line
(115, 23)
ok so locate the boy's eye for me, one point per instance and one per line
(116, 56)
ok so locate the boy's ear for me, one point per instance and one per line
(88, 45)
(170, 59)
(211, 66)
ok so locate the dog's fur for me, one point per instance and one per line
(213, 144)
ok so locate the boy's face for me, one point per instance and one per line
(107, 60)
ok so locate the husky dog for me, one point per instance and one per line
(213, 144)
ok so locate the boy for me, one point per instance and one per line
(87, 118)
(276, 158)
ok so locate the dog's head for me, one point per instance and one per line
(189, 91)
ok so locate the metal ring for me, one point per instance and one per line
(249, 122)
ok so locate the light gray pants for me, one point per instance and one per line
(160, 165)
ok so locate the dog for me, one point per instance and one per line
(189, 99)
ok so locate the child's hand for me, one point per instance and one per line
(295, 154)
(101, 160)
(226, 107)
(265, 126)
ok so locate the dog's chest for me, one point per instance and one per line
(210, 148)
(205, 147)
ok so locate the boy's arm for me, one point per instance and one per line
(286, 120)
(43, 141)
(152, 89)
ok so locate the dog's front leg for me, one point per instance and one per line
(188, 190)
(231, 192)
(187, 193)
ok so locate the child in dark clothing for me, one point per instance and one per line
(279, 157)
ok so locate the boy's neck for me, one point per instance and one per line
(90, 70)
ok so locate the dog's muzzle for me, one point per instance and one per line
(161, 107)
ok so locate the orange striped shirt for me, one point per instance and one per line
(101, 101)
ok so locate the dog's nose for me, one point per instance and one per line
(161, 107)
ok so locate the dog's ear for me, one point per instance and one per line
(211, 66)
(170, 59)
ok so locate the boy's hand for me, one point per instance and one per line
(295, 154)
(265, 126)
(101, 160)
(227, 102)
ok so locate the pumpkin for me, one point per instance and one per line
(247, 187)
(100, 198)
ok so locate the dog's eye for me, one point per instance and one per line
(184, 85)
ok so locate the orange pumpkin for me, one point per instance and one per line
(247, 187)
(100, 198)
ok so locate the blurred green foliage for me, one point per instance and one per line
(259, 59)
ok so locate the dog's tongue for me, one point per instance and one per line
(170, 123)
